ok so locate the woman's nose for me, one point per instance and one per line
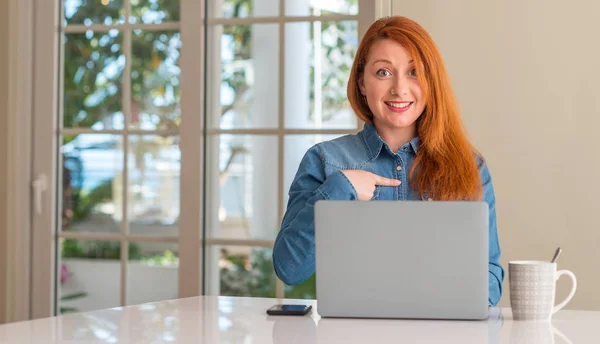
(400, 87)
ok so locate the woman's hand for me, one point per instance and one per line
(364, 182)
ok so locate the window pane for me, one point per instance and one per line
(152, 264)
(295, 148)
(153, 171)
(92, 183)
(245, 169)
(90, 12)
(93, 78)
(155, 80)
(243, 76)
(240, 271)
(320, 7)
(154, 11)
(316, 74)
(243, 8)
(89, 276)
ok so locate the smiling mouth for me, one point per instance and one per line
(398, 105)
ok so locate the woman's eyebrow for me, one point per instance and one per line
(389, 62)
(382, 60)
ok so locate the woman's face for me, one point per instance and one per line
(389, 82)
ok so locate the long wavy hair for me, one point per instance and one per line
(445, 167)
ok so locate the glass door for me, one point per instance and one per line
(164, 143)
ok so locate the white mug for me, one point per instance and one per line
(533, 289)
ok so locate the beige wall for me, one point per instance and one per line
(526, 75)
(3, 145)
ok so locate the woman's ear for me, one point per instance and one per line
(361, 86)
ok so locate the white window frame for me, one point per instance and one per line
(44, 95)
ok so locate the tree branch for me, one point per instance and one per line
(225, 173)
(241, 93)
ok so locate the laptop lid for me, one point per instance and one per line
(402, 259)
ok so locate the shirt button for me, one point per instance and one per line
(398, 168)
(405, 148)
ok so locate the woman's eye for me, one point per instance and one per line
(412, 72)
(383, 73)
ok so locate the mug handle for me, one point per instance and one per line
(573, 288)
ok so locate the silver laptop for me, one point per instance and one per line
(402, 259)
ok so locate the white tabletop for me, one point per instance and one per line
(211, 319)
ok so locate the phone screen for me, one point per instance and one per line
(289, 309)
(294, 308)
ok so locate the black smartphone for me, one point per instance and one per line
(289, 310)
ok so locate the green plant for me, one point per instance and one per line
(254, 275)
(86, 201)
(306, 290)
(70, 297)
(98, 249)
(64, 276)
(167, 258)
(112, 250)
(251, 275)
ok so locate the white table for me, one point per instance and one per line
(211, 319)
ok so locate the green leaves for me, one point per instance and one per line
(73, 296)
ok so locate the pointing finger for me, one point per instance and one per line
(379, 180)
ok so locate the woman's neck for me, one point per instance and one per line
(396, 137)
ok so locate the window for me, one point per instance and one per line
(276, 85)
(169, 141)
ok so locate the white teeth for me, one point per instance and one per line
(399, 105)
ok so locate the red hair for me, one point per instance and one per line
(445, 167)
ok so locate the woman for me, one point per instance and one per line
(413, 147)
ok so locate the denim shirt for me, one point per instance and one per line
(319, 177)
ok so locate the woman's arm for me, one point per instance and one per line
(496, 272)
(294, 249)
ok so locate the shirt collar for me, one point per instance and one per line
(375, 143)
